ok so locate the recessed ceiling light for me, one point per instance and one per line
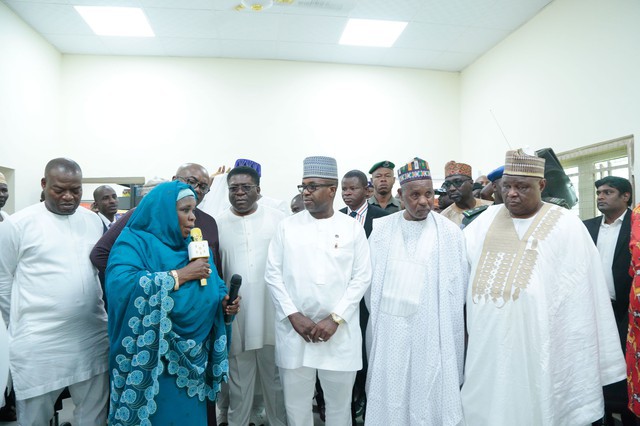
(369, 32)
(116, 21)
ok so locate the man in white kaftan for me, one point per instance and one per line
(263, 200)
(415, 337)
(57, 321)
(542, 336)
(318, 269)
(245, 232)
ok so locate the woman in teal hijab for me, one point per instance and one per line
(168, 341)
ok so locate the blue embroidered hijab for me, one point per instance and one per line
(153, 330)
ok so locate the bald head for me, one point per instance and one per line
(62, 165)
(62, 185)
(106, 201)
(189, 168)
(195, 176)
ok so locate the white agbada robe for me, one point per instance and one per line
(316, 267)
(244, 243)
(4, 215)
(542, 335)
(415, 336)
(57, 321)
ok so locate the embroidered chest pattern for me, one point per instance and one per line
(506, 264)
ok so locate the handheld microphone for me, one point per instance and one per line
(234, 288)
(198, 249)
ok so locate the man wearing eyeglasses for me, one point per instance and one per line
(197, 177)
(246, 228)
(459, 186)
(318, 269)
(263, 199)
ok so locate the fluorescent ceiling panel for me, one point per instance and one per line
(369, 32)
(116, 21)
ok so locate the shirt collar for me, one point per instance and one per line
(619, 219)
(104, 219)
(360, 210)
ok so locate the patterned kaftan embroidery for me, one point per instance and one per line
(134, 382)
(507, 262)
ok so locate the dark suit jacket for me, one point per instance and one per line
(373, 212)
(620, 267)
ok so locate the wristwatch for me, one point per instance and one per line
(337, 318)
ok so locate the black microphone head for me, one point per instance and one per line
(236, 279)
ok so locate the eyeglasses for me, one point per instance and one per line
(455, 182)
(193, 182)
(245, 188)
(312, 187)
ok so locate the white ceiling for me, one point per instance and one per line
(443, 35)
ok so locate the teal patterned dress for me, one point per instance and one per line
(168, 349)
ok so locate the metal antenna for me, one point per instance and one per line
(500, 128)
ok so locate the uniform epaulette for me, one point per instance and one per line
(474, 211)
(557, 201)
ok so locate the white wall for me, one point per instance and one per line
(568, 78)
(29, 107)
(145, 116)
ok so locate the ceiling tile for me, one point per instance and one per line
(249, 49)
(182, 23)
(305, 51)
(51, 18)
(338, 8)
(180, 4)
(307, 30)
(311, 29)
(196, 47)
(451, 12)
(247, 26)
(40, 1)
(410, 58)
(387, 10)
(115, 3)
(511, 14)
(358, 55)
(133, 46)
(81, 45)
(421, 35)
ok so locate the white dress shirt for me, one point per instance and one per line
(607, 239)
